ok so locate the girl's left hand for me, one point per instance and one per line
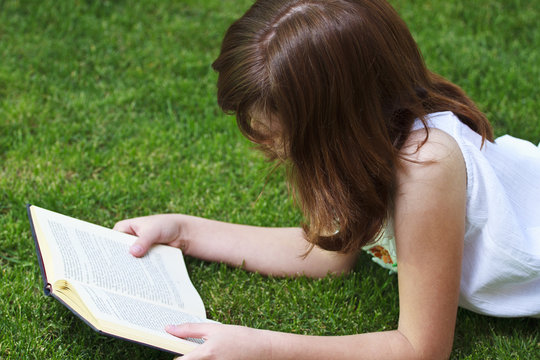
(225, 341)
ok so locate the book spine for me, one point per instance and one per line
(46, 285)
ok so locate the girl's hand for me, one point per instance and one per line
(155, 229)
(225, 341)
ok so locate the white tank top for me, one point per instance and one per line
(501, 259)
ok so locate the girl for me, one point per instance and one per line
(382, 154)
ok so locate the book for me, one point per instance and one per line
(89, 269)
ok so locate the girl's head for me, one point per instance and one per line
(331, 88)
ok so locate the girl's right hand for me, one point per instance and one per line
(150, 230)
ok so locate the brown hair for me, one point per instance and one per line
(343, 82)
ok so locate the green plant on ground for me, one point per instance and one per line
(108, 111)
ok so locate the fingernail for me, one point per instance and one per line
(170, 328)
(136, 249)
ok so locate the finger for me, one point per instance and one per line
(198, 331)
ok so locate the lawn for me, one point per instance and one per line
(108, 111)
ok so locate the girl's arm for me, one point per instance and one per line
(429, 225)
(430, 230)
(270, 251)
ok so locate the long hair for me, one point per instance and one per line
(331, 88)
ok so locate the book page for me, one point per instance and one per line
(134, 313)
(99, 256)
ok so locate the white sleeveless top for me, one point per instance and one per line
(501, 258)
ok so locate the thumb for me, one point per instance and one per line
(140, 247)
(141, 244)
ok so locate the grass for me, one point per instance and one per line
(107, 111)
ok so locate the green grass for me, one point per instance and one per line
(107, 111)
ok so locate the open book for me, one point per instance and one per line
(89, 269)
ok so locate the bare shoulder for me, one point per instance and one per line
(438, 155)
(431, 174)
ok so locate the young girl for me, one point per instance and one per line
(382, 154)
